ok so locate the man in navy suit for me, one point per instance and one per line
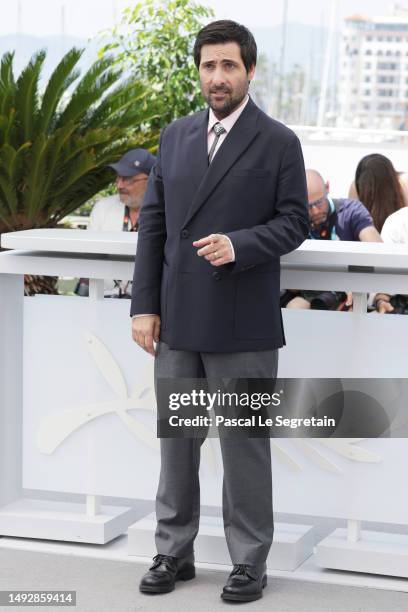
(226, 198)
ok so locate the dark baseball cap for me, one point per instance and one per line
(134, 162)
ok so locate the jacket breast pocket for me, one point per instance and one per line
(251, 172)
(257, 307)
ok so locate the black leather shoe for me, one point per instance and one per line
(245, 583)
(165, 571)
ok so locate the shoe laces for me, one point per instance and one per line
(243, 569)
(240, 568)
(166, 559)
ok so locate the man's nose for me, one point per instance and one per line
(218, 77)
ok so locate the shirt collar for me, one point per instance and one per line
(228, 121)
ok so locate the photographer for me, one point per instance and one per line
(331, 219)
(120, 212)
(395, 230)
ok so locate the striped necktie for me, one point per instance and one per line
(218, 129)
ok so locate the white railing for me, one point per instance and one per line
(69, 366)
(313, 134)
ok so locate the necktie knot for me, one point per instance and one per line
(219, 129)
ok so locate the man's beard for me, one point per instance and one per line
(231, 102)
(314, 225)
(134, 202)
(317, 225)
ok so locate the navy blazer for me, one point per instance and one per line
(255, 192)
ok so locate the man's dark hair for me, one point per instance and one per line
(224, 31)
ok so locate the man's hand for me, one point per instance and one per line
(145, 329)
(349, 301)
(383, 307)
(382, 303)
(215, 248)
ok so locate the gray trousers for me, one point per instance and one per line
(247, 482)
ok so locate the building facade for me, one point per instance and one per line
(373, 88)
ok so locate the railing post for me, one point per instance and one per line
(360, 303)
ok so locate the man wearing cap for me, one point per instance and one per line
(120, 212)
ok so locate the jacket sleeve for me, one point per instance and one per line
(150, 245)
(288, 227)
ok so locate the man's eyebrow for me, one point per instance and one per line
(225, 60)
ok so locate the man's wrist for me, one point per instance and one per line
(232, 248)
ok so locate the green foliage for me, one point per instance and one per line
(55, 146)
(154, 41)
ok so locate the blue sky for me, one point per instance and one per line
(84, 18)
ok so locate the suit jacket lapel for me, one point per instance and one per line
(196, 148)
(237, 141)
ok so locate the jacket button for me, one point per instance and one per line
(185, 233)
(216, 275)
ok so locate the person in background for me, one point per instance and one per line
(394, 231)
(120, 212)
(381, 189)
(403, 179)
(331, 219)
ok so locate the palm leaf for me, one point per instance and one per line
(90, 90)
(55, 146)
(61, 79)
(7, 156)
(78, 169)
(92, 139)
(11, 166)
(27, 96)
(7, 84)
(8, 194)
(54, 154)
(35, 178)
(18, 165)
(6, 71)
(117, 101)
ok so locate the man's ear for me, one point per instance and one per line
(251, 73)
(327, 186)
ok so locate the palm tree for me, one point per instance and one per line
(55, 145)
